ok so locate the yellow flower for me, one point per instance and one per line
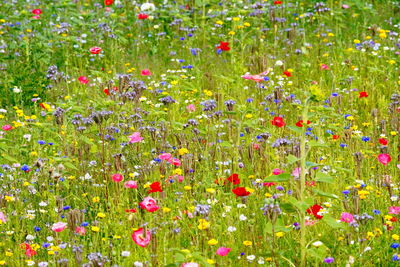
(9, 253)
(210, 261)
(395, 237)
(210, 190)
(95, 228)
(236, 19)
(393, 133)
(187, 187)
(231, 33)
(246, 24)
(96, 199)
(249, 116)
(212, 242)
(279, 234)
(2, 262)
(247, 243)
(219, 22)
(183, 151)
(165, 209)
(203, 224)
(178, 171)
(101, 215)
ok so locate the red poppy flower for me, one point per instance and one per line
(269, 184)
(143, 16)
(224, 46)
(37, 11)
(234, 179)
(383, 141)
(240, 191)
(130, 210)
(310, 183)
(106, 91)
(393, 219)
(335, 137)
(95, 50)
(108, 2)
(363, 94)
(287, 73)
(300, 123)
(313, 210)
(277, 2)
(155, 187)
(278, 121)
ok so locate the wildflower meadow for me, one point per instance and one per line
(199, 133)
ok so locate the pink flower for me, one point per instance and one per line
(277, 171)
(256, 78)
(117, 177)
(223, 251)
(80, 230)
(58, 227)
(165, 156)
(145, 72)
(3, 217)
(398, 166)
(6, 127)
(149, 204)
(384, 158)
(190, 264)
(83, 79)
(347, 217)
(95, 50)
(296, 172)
(345, 6)
(135, 137)
(37, 11)
(191, 108)
(139, 238)
(324, 67)
(310, 222)
(130, 184)
(394, 210)
(175, 162)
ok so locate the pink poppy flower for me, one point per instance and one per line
(117, 177)
(3, 217)
(80, 230)
(139, 238)
(191, 108)
(257, 77)
(130, 184)
(344, 6)
(310, 222)
(175, 162)
(58, 227)
(135, 137)
(394, 210)
(95, 50)
(223, 251)
(145, 72)
(37, 11)
(324, 67)
(149, 204)
(384, 158)
(277, 171)
(6, 127)
(165, 156)
(190, 264)
(347, 217)
(296, 172)
(83, 79)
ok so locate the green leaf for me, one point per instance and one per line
(322, 177)
(296, 129)
(302, 206)
(292, 159)
(329, 220)
(283, 177)
(225, 144)
(314, 143)
(9, 158)
(70, 165)
(310, 164)
(325, 194)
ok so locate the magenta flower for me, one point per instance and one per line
(145, 72)
(58, 227)
(394, 210)
(223, 251)
(149, 204)
(117, 177)
(6, 127)
(384, 158)
(3, 217)
(135, 137)
(139, 238)
(165, 156)
(191, 108)
(80, 230)
(277, 171)
(130, 184)
(83, 79)
(347, 217)
(190, 264)
(95, 50)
